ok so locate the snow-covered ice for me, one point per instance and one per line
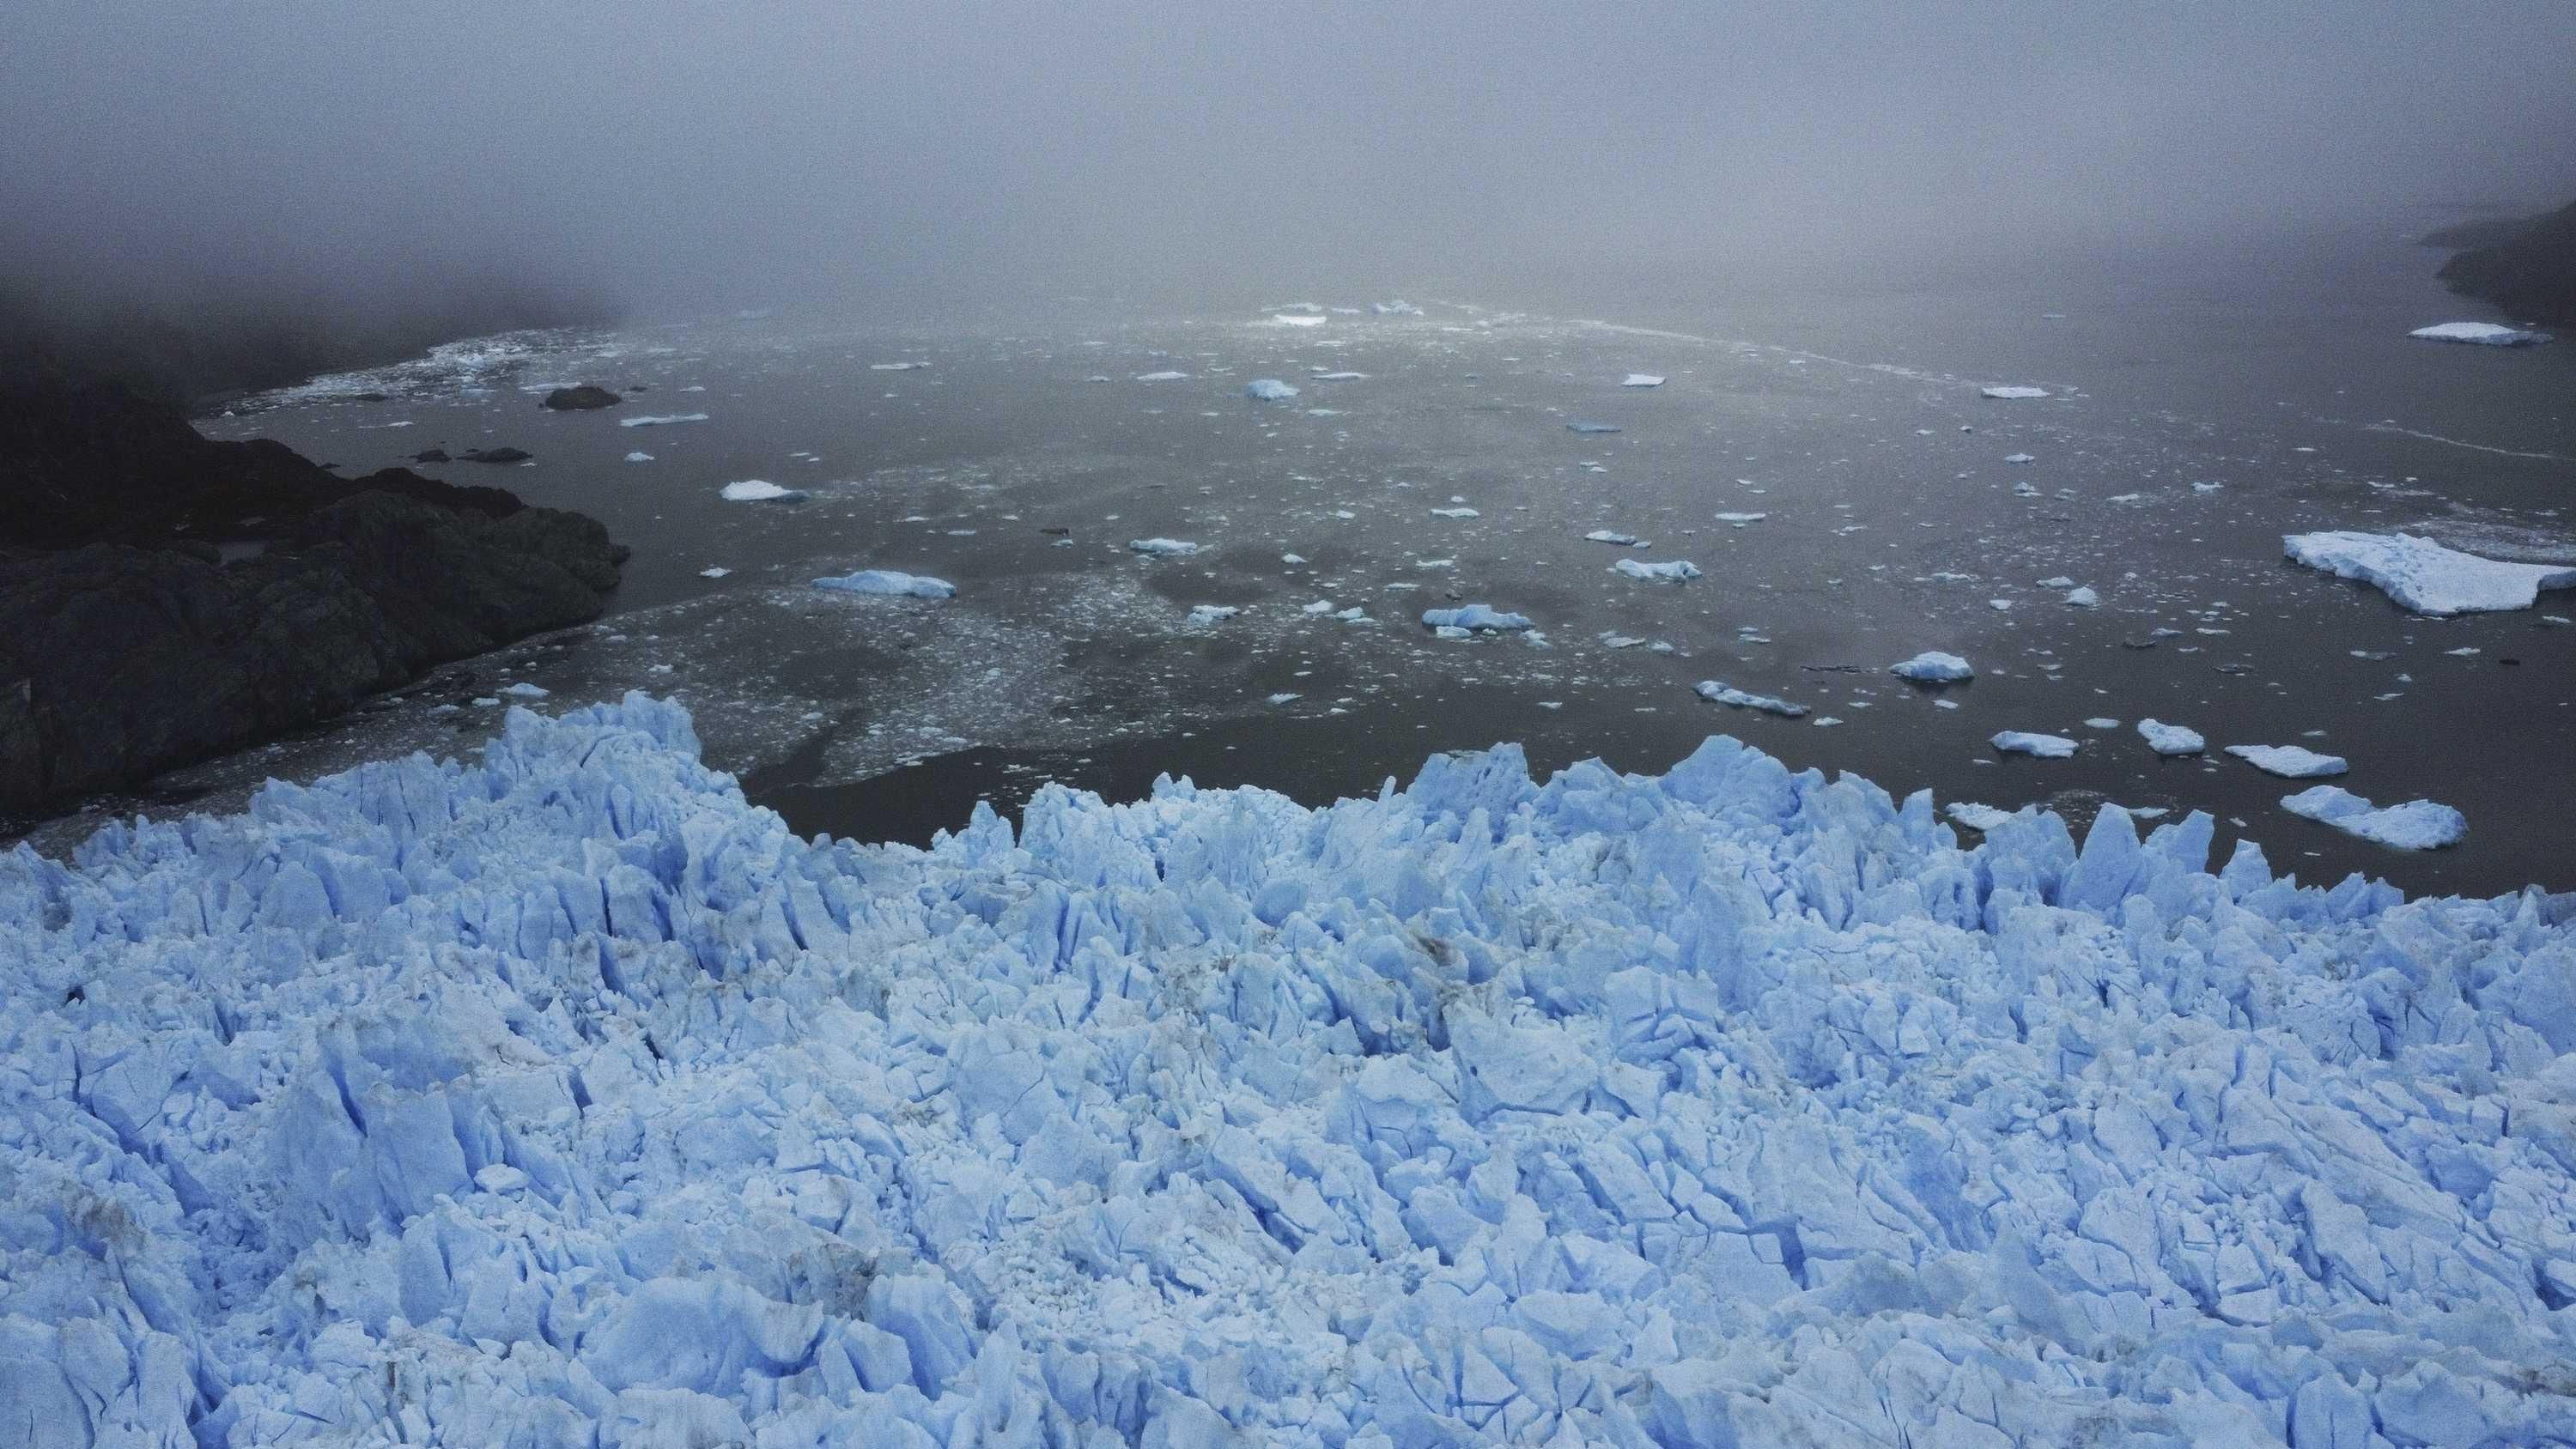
(1719, 692)
(1473, 617)
(2415, 825)
(1672, 571)
(2010, 394)
(2290, 762)
(1162, 547)
(889, 581)
(1268, 389)
(2487, 334)
(1642, 379)
(759, 490)
(661, 420)
(2024, 742)
(2425, 577)
(559, 1097)
(1933, 667)
(2171, 739)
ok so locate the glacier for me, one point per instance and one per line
(558, 1096)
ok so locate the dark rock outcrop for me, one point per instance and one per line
(128, 647)
(2530, 275)
(582, 398)
(494, 455)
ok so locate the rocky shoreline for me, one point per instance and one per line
(2525, 268)
(165, 597)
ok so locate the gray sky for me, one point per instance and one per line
(693, 155)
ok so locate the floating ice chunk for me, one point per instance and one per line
(1397, 308)
(1455, 513)
(1716, 692)
(1204, 614)
(1285, 696)
(2207, 487)
(1338, 376)
(2059, 582)
(1672, 572)
(1434, 565)
(896, 366)
(1610, 535)
(2484, 334)
(2018, 458)
(1474, 617)
(2290, 762)
(2101, 722)
(1162, 547)
(888, 581)
(1451, 631)
(760, 490)
(661, 420)
(1166, 375)
(1320, 606)
(1268, 389)
(2023, 742)
(1740, 519)
(717, 571)
(1591, 427)
(2083, 598)
(1975, 816)
(2425, 577)
(1933, 667)
(2171, 739)
(1292, 558)
(1296, 319)
(2415, 825)
(524, 690)
(1643, 379)
(2009, 394)
(639, 456)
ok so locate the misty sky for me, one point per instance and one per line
(695, 155)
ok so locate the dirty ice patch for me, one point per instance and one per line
(889, 581)
(2415, 825)
(2425, 577)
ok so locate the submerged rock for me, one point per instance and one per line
(581, 399)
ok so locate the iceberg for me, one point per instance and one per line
(2415, 825)
(2171, 739)
(1473, 617)
(661, 420)
(558, 1096)
(1933, 667)
(888, 581)
(2019, 458)
(2290, 762)
(1672, 572)
(760, 490)
(2023, 742)
(1642, 379)
(714, 571)
(2425, 577)
(1718, 692)
(2484, 334)
(2010, 394)
(1268, 389)
(1162, 547)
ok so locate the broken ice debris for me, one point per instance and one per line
(1268, 389)
(639, 456)
(2023, 742)
(1454, 513)
(1727, 694)
(2015, 458)
(1741, 519)
(761, 490)
(1166, 375)
(1975, 816)
(2425, 577)
(2415, 825)
(1162, 547)
(659, 421)
(2011, 393)
(716, 572)
(2290, 762)
(1296, 319)
(1472, 617)
(2171, 739)
(1674, 572)
(2484, 334)
(1591, 427)
(1336, 376)
(2083, 598)
(524, 690)
(1213, 613)
(889, 581)
(1933, 667)
(1643, 379)
(1397, 308)
(896, 366)
(1609, 535)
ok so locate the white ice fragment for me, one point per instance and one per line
(2485, 334)
(1975, 816)
(2101, 722)
(655, 421)
(715, 572)
(524, 690)
(1296, 319)
(1320, 606)
(2018, 458)
(2414, 825)
(1338, 375)
(889, 581)
(1162, 547)
(1671, 572)
(759, 490)
(1610, 535)
(1719, 693)
(1204, 614)
(1643, 379)
(2083, 598)
(1475, 617)
(1166, 375)
(1933, 667)
(2024, 742)
(2290, 762)
(2012, 393)
(2171, 739)
(1454, 513)
(1740, 519)
(896, 366)
(2425, 577)
(1292, 558)
(639, 456)
(1268, 389)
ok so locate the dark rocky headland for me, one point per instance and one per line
(165, 597)
(2526, 269)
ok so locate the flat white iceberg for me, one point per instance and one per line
(2415, 825)
(2425, 577)
(2171, 739)
(661, 420)
(1167, 375)
(1610, 535)
(1933, 667)
(1671, 572)
(1454, 513)
(1716, 692)
(2019, 458)
(1472, 617)
(889, 581)
(2484, 334)
(2009, 394)
(1296, 319)
(1643, 379)
(1397, 308)
(1268, 389)
(759, 490)
(1163, 547)
(717, 571)
(639, 456)
(2290, 762)
(1205, 614)
(1340, 376)
(1740, 519)
(2023, 742)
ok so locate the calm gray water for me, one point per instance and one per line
(1889, 523)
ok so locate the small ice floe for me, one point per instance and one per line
(2425, 577)
(1318, 375)
(1268, 389)
(1676, 571)
(1434, 565)
(2290, 762)
(1292, 558)
(1320, 606)
(2023, 742)
(639, 456)
(1610, 535)
(1296, 319)
(2101, 722)
(2207, 487)
(2025, 490)
(2019, 458)
(1591, 427)
(525, 691)
(2171, 739)
(2083, 598)
(1397, 308)
(486, 701)
(2010, 394)
(1824, 721)
(1475, 617)
(1285, 696)
(717, 572)
(1975, 816)
(1615, 640)
(1642, 379)
(1739, 520)
(1999, 605)
(896, 366)
(661, 420)
(2126, 498)
(1933, 667)
(1717, 693)
(1455, 513)
(1355, 614)
(1167, 375)
(2415, 825)
(2483, 334)
(1162, 547)
(2059, 582)
(889, 581)
(760, 490)
(1205, 614)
